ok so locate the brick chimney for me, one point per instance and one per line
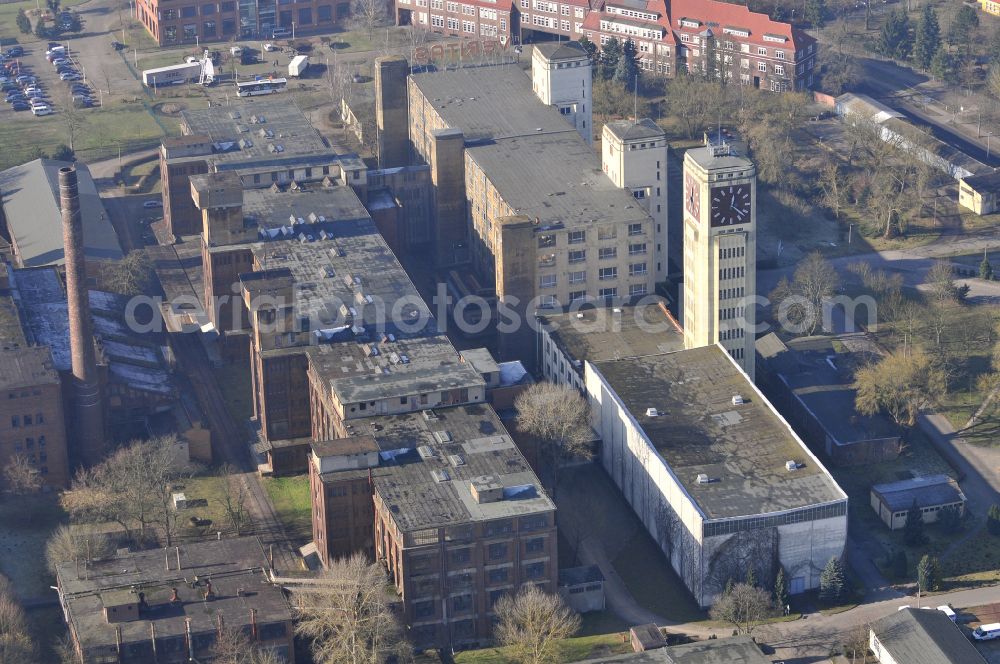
(88, 408)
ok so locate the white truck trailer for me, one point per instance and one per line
(182, 73)
(298, 65)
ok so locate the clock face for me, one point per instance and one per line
(731, 205)
(692, 197)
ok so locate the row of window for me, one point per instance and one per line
(731, 293)
(732, 252)
(732, 273)
(731, 313)
(726, 335)
(24, 393)
(604, 274)
(17, 421)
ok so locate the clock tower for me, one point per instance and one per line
(720, 251)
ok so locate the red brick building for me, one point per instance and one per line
(745, 46)
(170, 22)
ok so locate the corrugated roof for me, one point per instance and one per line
(925, 636)
(927, 491)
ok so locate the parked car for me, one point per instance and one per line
(69, 76)
(152, 204)
(59, 61)
(270, 47)
(41, 110)
(84, 102)
(17, 99)
(32, 89)
(25, 79)
(15, 52)
(21, 106)
(986, 632)
(117, 45)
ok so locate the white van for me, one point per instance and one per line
(948, 611)
(986, 632)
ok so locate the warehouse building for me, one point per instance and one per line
(892, 501)
(719, 480)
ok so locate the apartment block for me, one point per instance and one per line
(720, 252)
(459, 517)
(704, 36)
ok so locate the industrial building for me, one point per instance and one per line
(920, 636)
(670, 35)
(460, 518)
(31, 220)
(548, 226)
(719, 480)
(169, 605)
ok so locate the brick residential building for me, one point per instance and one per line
(749, 46)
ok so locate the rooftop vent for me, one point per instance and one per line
(652, 412)
(235, 115)
(440, 475)
(425, 452)
(579, 316)
(737, 400)
(456, 460)
(617, 310)
(486, 489)
(791, 465)
(703, 478)
(442, 436)
(430, 415)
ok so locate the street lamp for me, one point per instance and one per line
(988, 135)
(293, 30)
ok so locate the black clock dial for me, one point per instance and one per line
(731, 205)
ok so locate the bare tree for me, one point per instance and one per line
(801, 300)
(832, 182)
(694, 101)
(106, 75)
(64, 545)
(531, 624)
(132, 488)
(132, 275)
(71, 118)
(233, 646)
(234, 497)
(560, 418)
(368, 14)
(347, 618)
(416, 36)
(901, 386)
(744, 606)
(15, 639)
(20, 476)
(941, 282)
(856, 644)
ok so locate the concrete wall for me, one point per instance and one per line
(447, 161)
(567, 85)
(391, 121)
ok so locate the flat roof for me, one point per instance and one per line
(276, 207)
(561, 50)
(712, 159)
(555, 178)
(232, 564)
(984, 183)
(29, 194)
(27, 367)
(926, 491)
(742, 448)
(432, 489)
(260, 123)
(489, 102)
(608, 333)
(11, 334)
(628, 130)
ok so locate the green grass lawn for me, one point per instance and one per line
(570, 650)
(8, 19)
(290, 496)
(205, 495)
(99, 133)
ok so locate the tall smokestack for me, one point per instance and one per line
(88, 411)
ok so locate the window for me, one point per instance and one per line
(188, 12)
(637, 249)
(461, 603)
(779, 69)
(228, 6)
(780, 55)
(607, 233)
(607, 273)
(761, 66)
(605, 253)
(547, 240)
(498, 551)
(15, 421)
(495, 596)
(305, 16)
(423, 609)
(437, 21)
(577, 295)
(534, 570)
(547, 281)
(469, 26)
(577, 256)
(608, 292)
(635, 290)
(535, 545)
(452, 23)
(577, 237)
(637, 270)
(579, 277)
(27, 420)
(459, 556)
(498, 575)
(635, 229)
(324, 13)
(207, 10)
(762, 51)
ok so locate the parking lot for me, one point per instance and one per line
(44, 81)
